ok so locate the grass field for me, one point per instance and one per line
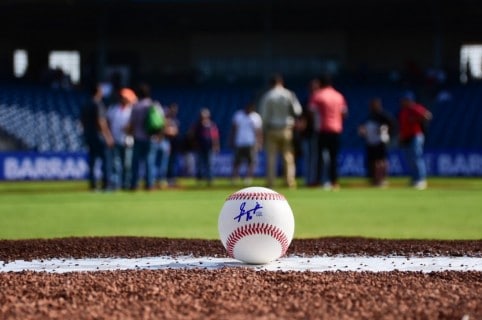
(449, 209)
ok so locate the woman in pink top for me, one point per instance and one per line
(329, 108)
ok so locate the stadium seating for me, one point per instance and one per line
(457, 119)
(45, 119)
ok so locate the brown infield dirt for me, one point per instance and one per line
(237, 293)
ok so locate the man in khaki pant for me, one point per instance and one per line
(278, 109)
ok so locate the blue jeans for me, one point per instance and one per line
(98, 150)
(310, 153)
(416, 161)
(204, 160)
(121, 166)
(172, 166)
(163, 150)
(143, 154)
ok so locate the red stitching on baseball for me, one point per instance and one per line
(253, 229)
(256, 196)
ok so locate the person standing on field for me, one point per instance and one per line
(309, 140)
(97, 136)
(144, 149)
(330, 108)
(246, 138)
(412, 120)
(278, 109)
(205, 136)
(118, 117)
(172, 134)
(376, 131)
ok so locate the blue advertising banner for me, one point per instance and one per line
(43, 166)
(73, 166)
(351, 163)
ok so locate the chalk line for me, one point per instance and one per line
(288, 263)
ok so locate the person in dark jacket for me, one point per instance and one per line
(205, 136)
(97, 137)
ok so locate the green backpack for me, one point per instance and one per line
(154, 121)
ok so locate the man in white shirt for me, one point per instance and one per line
(278, 108)
(246, 138)
(118, 117)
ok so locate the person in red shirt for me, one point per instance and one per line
(329, 108)
(411, 120)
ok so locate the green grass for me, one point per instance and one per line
(449, 209)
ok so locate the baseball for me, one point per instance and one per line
(256, 225)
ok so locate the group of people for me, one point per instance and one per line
(118, 137)
(378, 130)
(280, 118)
(319, 125)
(130, 155)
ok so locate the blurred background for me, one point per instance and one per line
(220, 53)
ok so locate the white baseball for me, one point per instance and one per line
(256, 225)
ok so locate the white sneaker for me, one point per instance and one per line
(421, 185)
(327, 186)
